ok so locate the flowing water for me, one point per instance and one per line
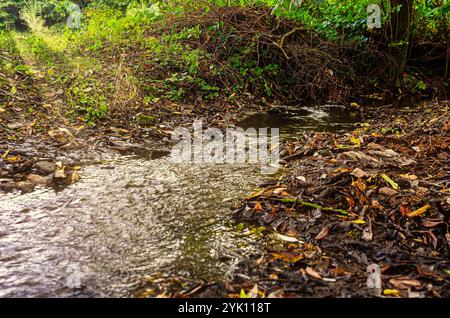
(128, 218)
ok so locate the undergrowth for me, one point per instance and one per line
(132, 57)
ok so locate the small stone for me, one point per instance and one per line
(26, 186)
(36, 179)
(46, 167)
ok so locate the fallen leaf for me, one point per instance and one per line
(323, 233)
(311, 272)
(360, 184)
(404, 283)
(359, 173)
(253, 293)
(60, 171)
(405, 209)
(356, 141)
(285, 238)
(389, 181)
(387, 191)
(74, 177)
(431, 222)
(243, 294)
(408, 176)
(289, 257)
(13, 159)
(377, 205)
(367, 234)
(255, 194)
(391, 292)
(279, 190)
(276, 294)
(420, 211)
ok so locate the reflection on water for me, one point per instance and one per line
(329, 118)
(124, 220)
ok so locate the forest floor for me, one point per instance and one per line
(379, 195)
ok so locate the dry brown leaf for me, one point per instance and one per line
(279, 190)
(377, 205)
(323, 234)
(311, 272)
(289, 257)
(359, 173)
(405, 282)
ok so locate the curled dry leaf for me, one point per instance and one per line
(289, 257)
(286, 238)
(312, 273)
(405, 282)
(60, 172)
(323, 234)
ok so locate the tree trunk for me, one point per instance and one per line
(400, 35)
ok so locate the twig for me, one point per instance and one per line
(311, 205)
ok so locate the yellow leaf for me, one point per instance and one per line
(390, 181)
(254, 194)
(243, 294)
(13, 158)
(391, 292)
(285, 238)
(408, 176)
(356, 141)
(420, 211)
(74, 177)
(359, 222)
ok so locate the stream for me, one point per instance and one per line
(129, 218)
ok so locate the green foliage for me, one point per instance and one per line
(87, 100)
(168, 65)
(15, 76)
